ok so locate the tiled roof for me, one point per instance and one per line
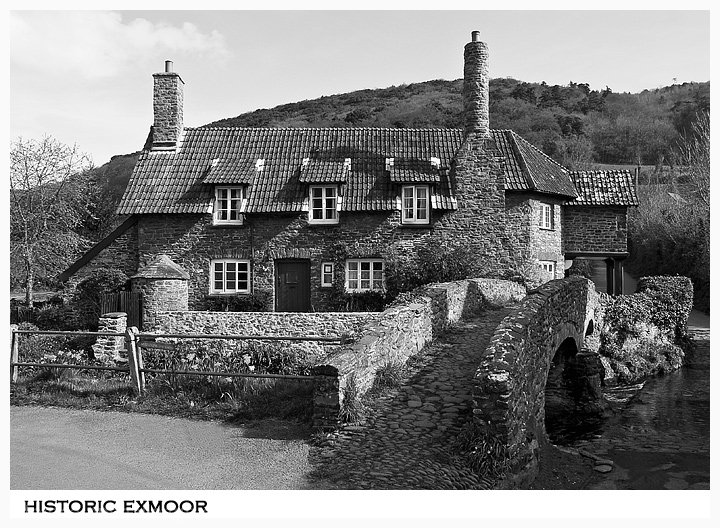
(404, 170)
(528, 168)
(324, 171)
(175, 181)
(615, 187)
(238, 171)
(162, 267)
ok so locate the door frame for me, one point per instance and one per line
(304, 261)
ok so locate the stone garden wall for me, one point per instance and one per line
(400, 332)
(321, 324)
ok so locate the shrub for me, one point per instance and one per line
(351, 408)
(86, 299)
(389, 376)
(483, 452)
(641, 333)
(671, 299)
(255, 302)
(54, 317)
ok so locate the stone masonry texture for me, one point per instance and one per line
(476, 88)
(595, 229)
(510, 381)
(168, 108)
(402, 331)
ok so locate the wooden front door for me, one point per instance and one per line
(292, 285)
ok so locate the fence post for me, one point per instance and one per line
(132, 353)
(139, 360)
(14, 354)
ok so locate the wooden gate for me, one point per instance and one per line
(124, 301)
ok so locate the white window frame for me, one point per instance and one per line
(224, 278)
(547, 216)
(355, 283)
(328, 204)
(414, 209)
(238, 207)
(327, 275)
(548, 266)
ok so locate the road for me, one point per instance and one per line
(52, 448)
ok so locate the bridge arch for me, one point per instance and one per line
(537, 352)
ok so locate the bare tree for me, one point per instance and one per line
(47, 204)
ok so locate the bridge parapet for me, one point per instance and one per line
(509, 388)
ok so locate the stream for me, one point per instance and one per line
(658, 434)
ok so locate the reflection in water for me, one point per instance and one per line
(661, 438)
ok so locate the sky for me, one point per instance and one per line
(85, 77)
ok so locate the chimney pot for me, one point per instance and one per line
(476, 36)
(168, 66)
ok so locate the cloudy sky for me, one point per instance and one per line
(85, 77)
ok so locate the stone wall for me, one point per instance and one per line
(595, 229)
(160, 295)
(402, 331)
(110, 349)
(510, 381)
(325, 324)
(526, 239)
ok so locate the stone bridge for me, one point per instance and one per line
(541, 362)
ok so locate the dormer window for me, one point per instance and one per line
(415, 204)
(324, 204)
(229, 205)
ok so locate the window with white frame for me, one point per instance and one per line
(229, 276)
(364, 275)
(415, 204)
(548, 266)
(323, 205)
(327, 270)
(228, 205)
(546, 216)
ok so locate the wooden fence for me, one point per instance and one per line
(135, 341)
(124, 301)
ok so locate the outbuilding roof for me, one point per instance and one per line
(613, 187)
(180, 181)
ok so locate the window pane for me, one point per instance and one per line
(353, 284)
(364, 284)
(421, 193)
(327, 268)
(330, 192)
(353, 265)
(218, 285)
(365, 265)
(377, 284)
(377, 275)
(377, 265)
(352, 274)
(317, 192)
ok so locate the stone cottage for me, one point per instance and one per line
(293, 213)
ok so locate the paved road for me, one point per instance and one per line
(54, 448)
(406, 442)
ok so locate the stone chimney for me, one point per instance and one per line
(476, 87)
(167, 107)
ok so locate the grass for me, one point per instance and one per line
(232, 400)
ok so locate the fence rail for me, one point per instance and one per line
(134, 345)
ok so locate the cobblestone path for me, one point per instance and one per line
(405, 441)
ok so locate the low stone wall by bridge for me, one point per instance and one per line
(319, 324)
(510, 383)
(400, 332)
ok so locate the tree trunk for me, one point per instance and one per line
(29, 280)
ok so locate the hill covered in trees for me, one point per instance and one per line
(574, 124)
